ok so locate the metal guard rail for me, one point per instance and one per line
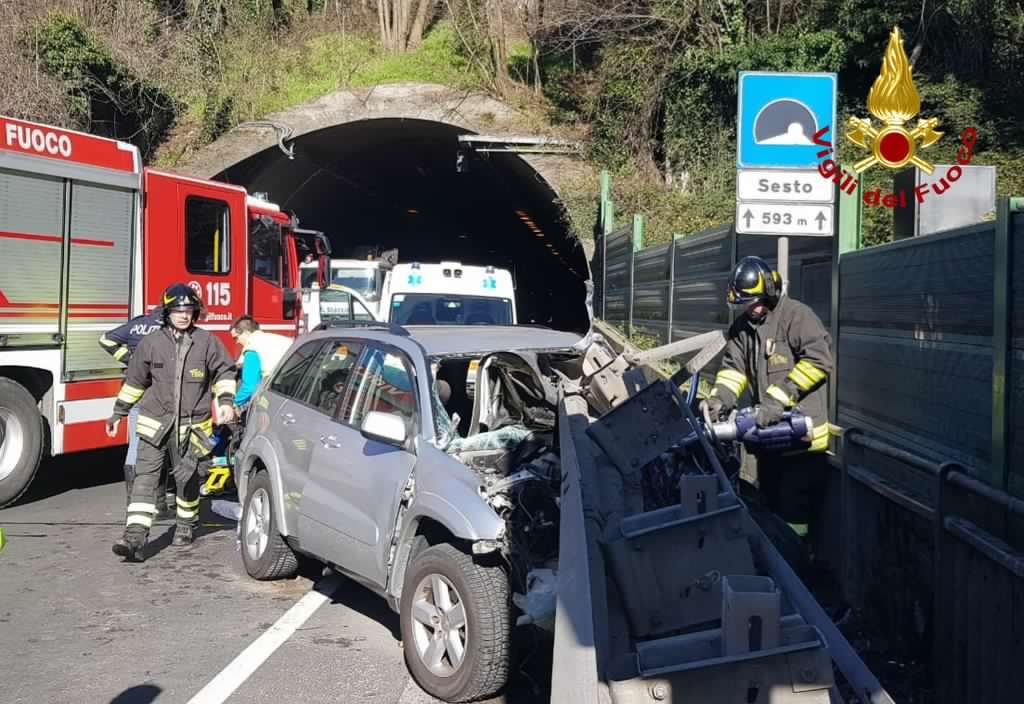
(581, 637)
(945, 474)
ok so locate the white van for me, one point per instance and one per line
(363, 276)
(448, 293)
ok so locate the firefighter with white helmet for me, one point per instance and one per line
(173, 376)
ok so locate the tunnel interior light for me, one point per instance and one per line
(412, 211)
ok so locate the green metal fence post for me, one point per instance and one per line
(638, 244)
(998, 474)
(671, 286)
(606, 189)
(847, 237)
(607, 224)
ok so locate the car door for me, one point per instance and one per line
(359, 481)
(285, 415)
(321, 502)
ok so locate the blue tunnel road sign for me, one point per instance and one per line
(778, 116)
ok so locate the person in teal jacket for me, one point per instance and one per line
(261, 351)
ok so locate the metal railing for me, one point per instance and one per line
(954, 579)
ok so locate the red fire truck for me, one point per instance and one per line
(90, 238)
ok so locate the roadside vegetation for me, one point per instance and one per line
(648, 86)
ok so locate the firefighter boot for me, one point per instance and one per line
(182, 535)
(130, 546)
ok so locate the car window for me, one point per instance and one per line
(334, 369)
(383, 381)
(290, 374)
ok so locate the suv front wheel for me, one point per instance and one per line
(265, 553)
(455, 618)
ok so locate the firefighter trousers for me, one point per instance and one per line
(142, 507)
(793, 487)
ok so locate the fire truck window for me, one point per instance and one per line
(265, 250)
(207, 236)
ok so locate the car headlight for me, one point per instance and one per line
(483, 547)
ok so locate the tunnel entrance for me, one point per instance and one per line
(407, 184)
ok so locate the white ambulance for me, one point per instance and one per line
(448, 293)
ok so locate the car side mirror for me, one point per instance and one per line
(384, 427)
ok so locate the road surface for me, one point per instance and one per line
(188, 625)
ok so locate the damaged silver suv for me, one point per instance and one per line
(422, 463)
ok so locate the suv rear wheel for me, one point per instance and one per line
(264, 552)
(456, 623)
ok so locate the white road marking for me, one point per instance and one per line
(249, 660)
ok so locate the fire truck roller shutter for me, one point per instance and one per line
(99, 275)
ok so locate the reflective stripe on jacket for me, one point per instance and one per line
(168, 392)
(787, 357)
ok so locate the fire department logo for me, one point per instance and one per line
(197, 287)
(893, 100)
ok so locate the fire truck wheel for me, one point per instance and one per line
(21, 440)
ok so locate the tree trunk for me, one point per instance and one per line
(535, 21)
(424, 12)
(499, 52)
(403, 18)
(383, 7)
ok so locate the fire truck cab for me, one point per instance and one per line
(90, 239)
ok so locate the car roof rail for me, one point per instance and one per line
(393, 328)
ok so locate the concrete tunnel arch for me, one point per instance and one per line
(379, 168)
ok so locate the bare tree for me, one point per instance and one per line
(496, 33)
(402, 22)
(424, 14)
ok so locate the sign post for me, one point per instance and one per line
(781, 120)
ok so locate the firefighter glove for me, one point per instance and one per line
(714, 406)
(769, 412)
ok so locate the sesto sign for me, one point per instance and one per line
(783, 185)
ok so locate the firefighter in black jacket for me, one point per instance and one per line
(780, 351)
(120, 343)
(173, 376)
